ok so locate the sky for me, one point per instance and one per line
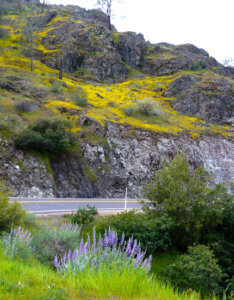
(208, 24)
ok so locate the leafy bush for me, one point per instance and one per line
(197, 270)
(198, 65)
(220, 241)
(129, 111)
(144, 107)
(187, 198)
(79, 100)
(79, 97)
(154, 234)
(50, 242)
(11, 214)
(147, 108)
(84, 216)
(45, 135)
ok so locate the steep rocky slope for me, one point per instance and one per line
(144, 104)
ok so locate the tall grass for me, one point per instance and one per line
(32, 280)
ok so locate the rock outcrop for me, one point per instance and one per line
(206, 97)
(86, 43)
(128, 162)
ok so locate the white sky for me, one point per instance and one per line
(208, 24)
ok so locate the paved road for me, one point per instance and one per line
(53, 205)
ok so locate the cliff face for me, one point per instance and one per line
(128, 160)
(144, 104)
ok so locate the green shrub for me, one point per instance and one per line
(198, 65)
(154, 234)
(146, 107)
(129, 111)
(56, 88)
(49, 242)
(47, 136)
(79, 97)
(187, 198)
(24, 106)
(197, 270)
(11, 214)
(79, 100)
(84, 216)
(3, 33)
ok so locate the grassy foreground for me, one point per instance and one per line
(32, 280)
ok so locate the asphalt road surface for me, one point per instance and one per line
(56, 205)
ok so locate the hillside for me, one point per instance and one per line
(131, 104)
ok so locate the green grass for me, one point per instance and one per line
(162, 260)
(32, 280)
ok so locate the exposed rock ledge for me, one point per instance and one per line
(131, 159)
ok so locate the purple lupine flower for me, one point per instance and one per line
(122, 239)
(100, 242)
(116, 239)
(85, 249)
(129, 248)
(149, 262)
(56, 263)
(18, 231)
(94, 239)
(74, 254)
(134, 248)
(88, 242)
(64, 258)
(69, 254)
(25, 234)
(144, 262)
(81, 245)
(139, 258)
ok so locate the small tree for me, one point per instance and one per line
(43, 5)
(11, 214)
(187, 198)
(29, 35)
(106, 6)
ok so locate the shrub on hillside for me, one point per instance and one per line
(145, 107)
(198, 65)
(79, 97)
(154, 234)
(84, 216)
(56, 88)
(197, 270)
(11, 214)
(3, 33)
(47, 136)
(129, 111)
(24, 106)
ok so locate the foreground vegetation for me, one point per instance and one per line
(33, 280)
(76, 259)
